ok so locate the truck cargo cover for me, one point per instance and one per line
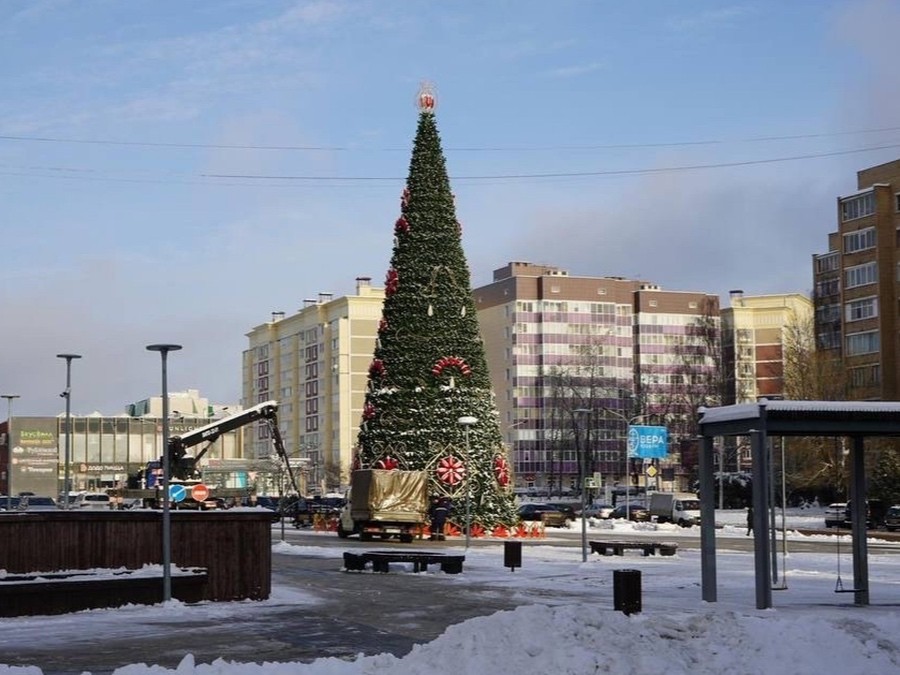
(378, 494)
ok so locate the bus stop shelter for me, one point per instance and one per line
(855, 420)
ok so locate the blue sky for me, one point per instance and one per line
(140, 143)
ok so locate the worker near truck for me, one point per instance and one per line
(440, 509)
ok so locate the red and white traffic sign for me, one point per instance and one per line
(200, 492)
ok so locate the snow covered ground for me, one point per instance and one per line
(811, 629)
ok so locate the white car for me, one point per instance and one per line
(598, 511)
(835, 514)
(93, 500)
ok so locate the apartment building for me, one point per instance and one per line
(574, 360)
(856, 285)
(315, 364)
(753, 339)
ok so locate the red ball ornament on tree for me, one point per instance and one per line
(392, 282)
(368, 411)
(401, 226)
(501, 470)
(388, 463)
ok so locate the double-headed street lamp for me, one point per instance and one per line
(466, 422)
(164, 350)
(9, 399)
(67, 394)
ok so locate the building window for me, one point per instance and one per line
(897, 201)
(262, 368)
(863, 343)
(867, 376)
(827, 263)
(858, 207)
(864, 308)
(860, 275)
(861, 240)
(828, 287)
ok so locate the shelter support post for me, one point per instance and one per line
(762, 560)
(858, 516)
(707, 520)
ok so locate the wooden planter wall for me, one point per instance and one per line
(233, 546)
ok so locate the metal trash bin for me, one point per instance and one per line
(512, 554)
(627, 591)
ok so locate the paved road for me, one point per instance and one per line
(356, 613)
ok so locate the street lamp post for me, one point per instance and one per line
(67, 394)
(164, 350)
(466, 423)
(629, 421)
(583, 480)
(9, 399)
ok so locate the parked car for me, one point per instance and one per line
(545, 513)
(892, 518)
(266, 502)
(633, 512)
(37, 503)
(92, 500)
(875, 513)
(835, 514)
(597, 511)
(567, 509)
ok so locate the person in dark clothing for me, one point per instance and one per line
(440, 508)
(749, 520)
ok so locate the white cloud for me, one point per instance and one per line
(577, 70)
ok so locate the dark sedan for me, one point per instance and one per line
(546, 513)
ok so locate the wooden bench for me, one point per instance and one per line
(76, 590)
(646, 547)
(381, 560)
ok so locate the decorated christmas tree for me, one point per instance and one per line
(429, 368)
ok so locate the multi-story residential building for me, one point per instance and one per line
(857, 283)
(315, 364)
(753, 340)
(596, 353)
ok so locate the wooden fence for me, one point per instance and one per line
(234, 546)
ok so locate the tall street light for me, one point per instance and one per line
(164, 350)
(583, 463)
(9, 399)
(67, 394)
(466, 423)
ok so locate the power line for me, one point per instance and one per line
(256, 179)
(338, 148)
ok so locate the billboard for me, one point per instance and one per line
(35, 456)
(646, 442)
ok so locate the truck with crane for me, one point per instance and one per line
(184, 468)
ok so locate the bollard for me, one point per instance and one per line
(512, 554)
(627, 591)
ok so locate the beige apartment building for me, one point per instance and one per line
(857, 285)
(753, 337)
(626, 349)
(315, 364)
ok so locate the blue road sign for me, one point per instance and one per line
(648, 442)
(177, 493)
